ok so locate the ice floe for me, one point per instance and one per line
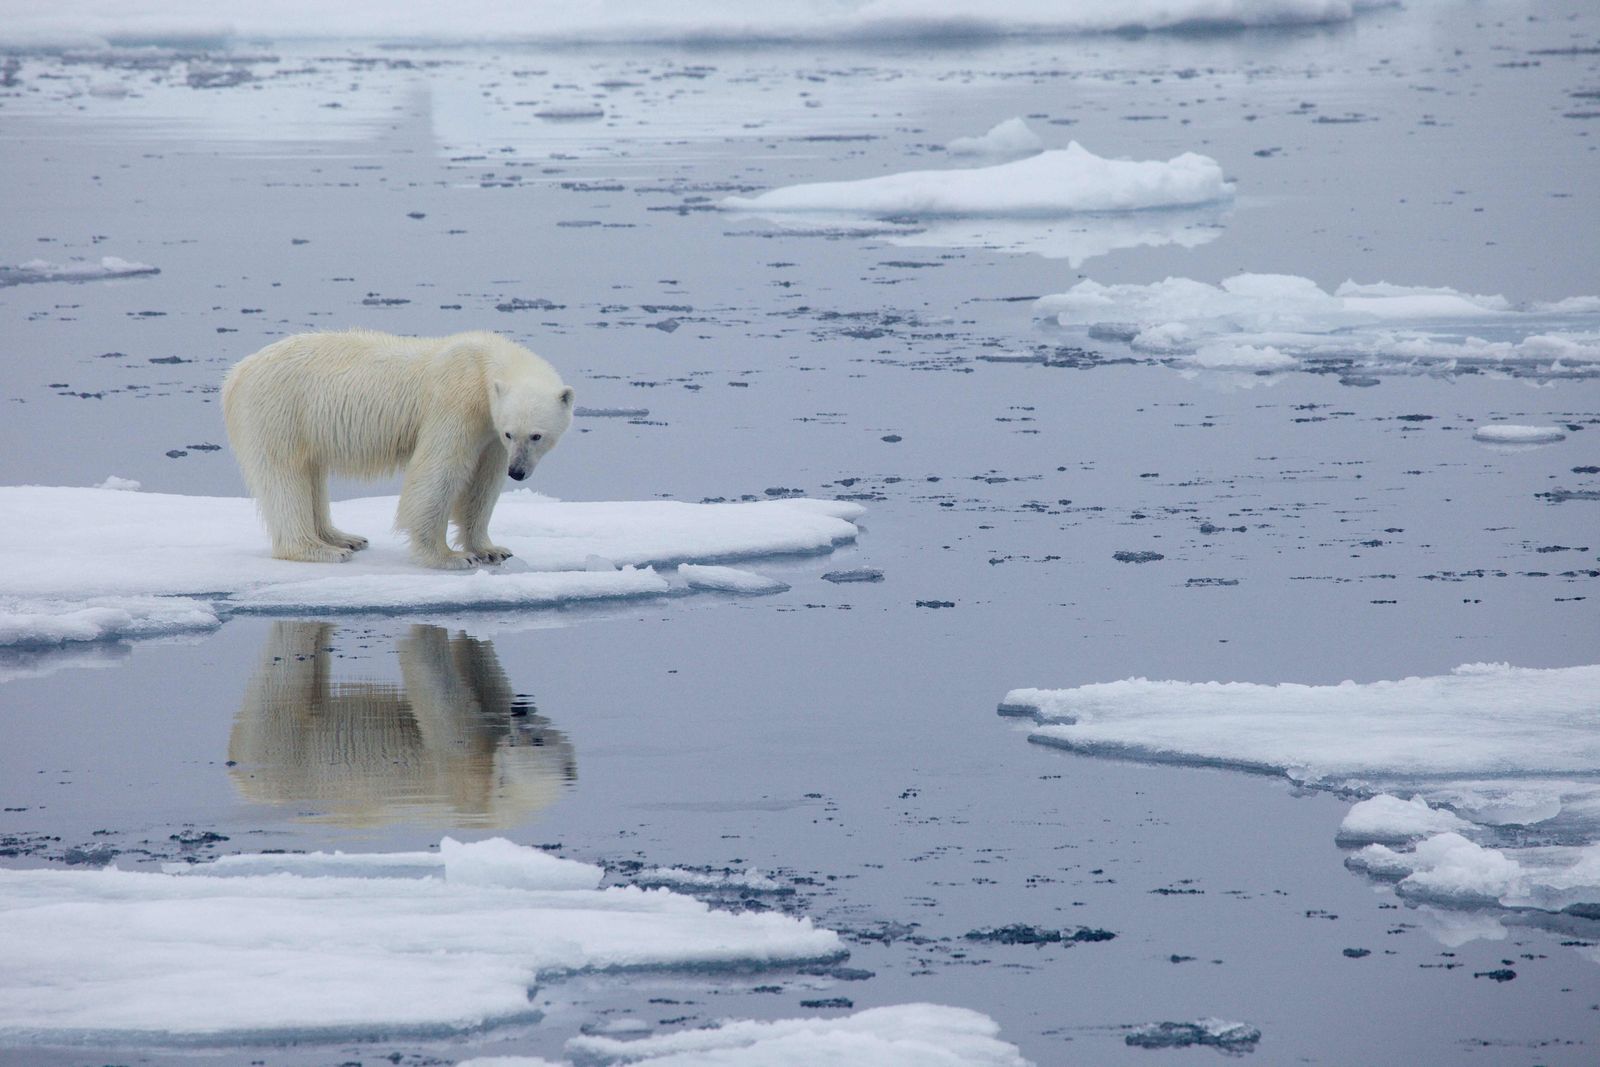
(905, 1035)
(1012, 137)
(85, 564)
(76, 270)
(728, 579)
(1492, 770)
(1286, 319)
(1058, 182)
(88, 22)
(284, 947)
(1507, 434)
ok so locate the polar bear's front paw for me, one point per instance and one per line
(489, 554)
(354, 542)
(449, 561)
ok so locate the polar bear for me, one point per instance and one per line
(453, 411)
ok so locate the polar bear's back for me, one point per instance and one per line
(351, 401)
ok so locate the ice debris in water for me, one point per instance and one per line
(750, 880)
(1218, 1033)
(1051, 183)
(77, 270)
(1269, 321)
(1475, 754)
(294, 947)
(856, 574)
(728, 579)
(1508, 434)
(904, 1035)
(27, 622)
(1009, 138)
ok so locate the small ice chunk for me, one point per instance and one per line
(599, 564)
(124, 484)
(855, 574)
(750, 880)
(610, 413)
(1009, 138)
(1390, 819)
(1226, 356)
(728, 579)
(1218, 1033)
(1505, 433)
(77, 270)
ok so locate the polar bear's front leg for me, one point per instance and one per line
(439, 467)
(476, 503)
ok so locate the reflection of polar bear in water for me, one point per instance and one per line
(453, 739)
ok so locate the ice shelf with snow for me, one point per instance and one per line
(1272, 322)
(1481, 786)
(79, 564)
(283, 946)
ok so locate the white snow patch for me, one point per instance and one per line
(1390, 819)
(728, 579)
(127, 485)
(77, 270)
(1297, 319)
(75, 546)
(341, 944)
(905, 1035)
(1013, 137)
(87, 22)
(1508, 434)
(1052, 183)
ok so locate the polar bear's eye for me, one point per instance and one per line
(508, 435)
(536, 437)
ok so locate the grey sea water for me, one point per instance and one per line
(841, 737)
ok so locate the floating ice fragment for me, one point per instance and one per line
(905, 1035)
(1057, 182)
(77, 270)
(728, 579)
(1507, 433)
(28, 622)
(1009, 138)
(124, 484)
(750, 880)
(610, 413)
(1219, 1033)
(856, 574)
(1390, 819)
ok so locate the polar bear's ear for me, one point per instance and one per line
(499, 388)
(566, 397)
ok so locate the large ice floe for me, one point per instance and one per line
(1268, 322)
(89, 564)
(283, 947)
(86, 22)
(905, 1035)
(1482, 786)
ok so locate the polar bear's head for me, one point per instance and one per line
(529, 418)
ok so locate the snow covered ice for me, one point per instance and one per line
(1482, 751)
(150, 562)
(289, 946)
(1057, 182)
(43, 270)
(1013, 137)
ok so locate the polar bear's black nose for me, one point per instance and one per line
(518, 473)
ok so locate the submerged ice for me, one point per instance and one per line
(283, 946)
(1459, 768)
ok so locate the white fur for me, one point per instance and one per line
(456, 412)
